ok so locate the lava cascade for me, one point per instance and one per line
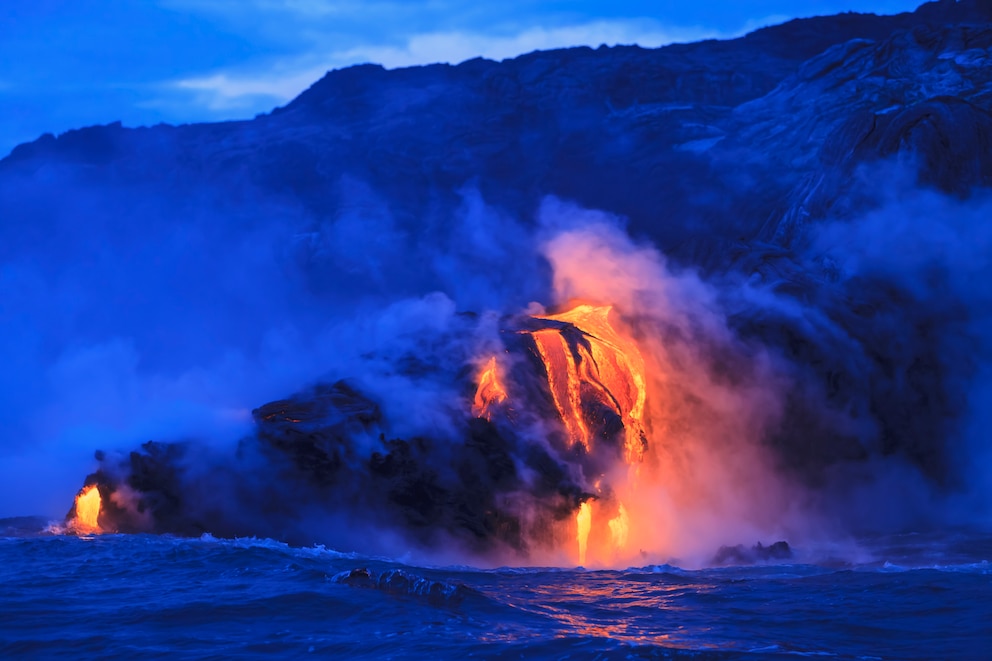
(607, 368)
(87, 511)
(596, 378)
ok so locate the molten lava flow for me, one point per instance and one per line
(489, 392)
(599, 368)
(606, 367)
(87, 511)
(597, 382)
(563, 379)
(583, 524)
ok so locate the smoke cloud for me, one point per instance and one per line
(840, 386)
(910, 275)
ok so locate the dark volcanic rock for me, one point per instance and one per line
(316, 427)
(399, 582)
(313, 448)
(739, 555)
(144, 491)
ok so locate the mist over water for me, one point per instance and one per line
(927, 348)
(844, 388)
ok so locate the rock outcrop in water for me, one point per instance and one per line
(727, 155)
(739, 555)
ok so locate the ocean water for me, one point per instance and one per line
(143, 596)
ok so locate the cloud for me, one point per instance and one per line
(299, 8)
(453, 47)
(221, 92)
(280, 81)
(307, 8)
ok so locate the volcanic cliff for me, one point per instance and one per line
(728, 156)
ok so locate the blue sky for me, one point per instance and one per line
(71, 63)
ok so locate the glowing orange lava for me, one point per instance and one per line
(87, 511)
(610, 367)
(489, 392)
(563, 379)
(599, 367)
(596, 377)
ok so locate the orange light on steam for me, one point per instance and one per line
(87, 511)
(619, 529)
(489, 392)
(583, 524)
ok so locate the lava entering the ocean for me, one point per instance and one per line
(599, 371)
(596, 379)
(545, 458)
(87, 512)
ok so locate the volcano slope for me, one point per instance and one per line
(824, 182)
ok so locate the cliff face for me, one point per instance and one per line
(740, 160)
(765, 129)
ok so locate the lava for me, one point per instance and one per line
(88, 504)
(563, 380)
(489, 392)
(596, 377)
(610, 367)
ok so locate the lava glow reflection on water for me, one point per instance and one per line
(611, 605)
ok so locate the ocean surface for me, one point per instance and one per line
(142, 596)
